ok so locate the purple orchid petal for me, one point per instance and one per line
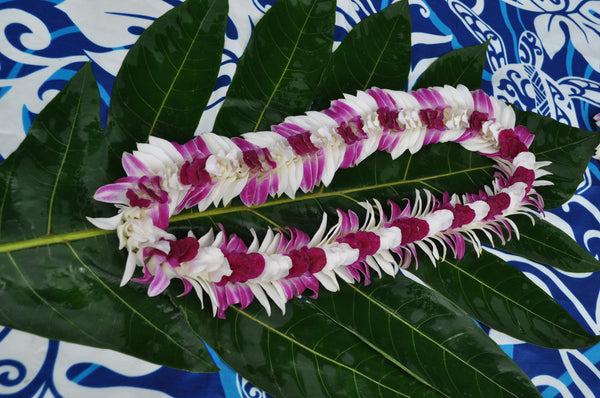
(187, 287)
(262, 191)
(232, 294)
(113, 193)
(160, 215)
(243, 144)
(340, 112)
(308, 175)
(429, 98)
(482, 102)
(246, 296)
(134, 167)
(193, 197)
(291, 287)
(147, 278)
(249, 192)
(274, 184)
(298, 239)
(159, 283)
(383, 99)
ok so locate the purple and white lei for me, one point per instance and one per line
(303, 152)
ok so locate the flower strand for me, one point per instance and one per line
(301, 153)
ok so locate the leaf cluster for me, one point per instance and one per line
(60, 277)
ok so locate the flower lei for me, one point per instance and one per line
(164, 178)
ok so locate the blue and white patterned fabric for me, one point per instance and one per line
(544, 56)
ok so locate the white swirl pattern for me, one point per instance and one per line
(544, 56)
(22, 94)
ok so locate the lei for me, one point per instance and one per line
(302, 152)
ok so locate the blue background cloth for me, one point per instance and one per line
(544, 56)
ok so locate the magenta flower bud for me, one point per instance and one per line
(433, 118)
(463, 215)
(497, 203)
(245, 266)
(523, 174)
(412, 229)
(194, 173)
(510, 144)
(367, 243)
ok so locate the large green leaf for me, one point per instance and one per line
(303, 353)
(502, 297)
(417, 328)
(46, 191)
(376, 52)
(168, 77)
(279, 71)
(546, 244)
(362, 338)
(461, 66)
(59, 277)
(568, 148)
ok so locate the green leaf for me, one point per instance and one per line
(303, 353)
(168, 77)
(502, 297)
(44, 191)
(461, 66)
(60, 278)
(568, 148)
(279, 71)
(415, 327)
(546, 244)
(376, 52)
(454, 170)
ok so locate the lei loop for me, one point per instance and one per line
(302, 152)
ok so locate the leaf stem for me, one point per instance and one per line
(52, 239)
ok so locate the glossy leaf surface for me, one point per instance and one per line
(417, 328)
(59, 277)
(169, 75)
(303, 353)
(462, 66)
(376, 52)
(279, 71)
(502, 297)
(544, 243)
(568, 148)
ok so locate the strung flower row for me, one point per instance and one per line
(301, 153)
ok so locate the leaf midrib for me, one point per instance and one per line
(394, 315)
(375, 347)
(468, 65)
(64, 158)
(5, 193)
(39, 297)
(312, 351)
(524, 308)
(96, 232)
(287, 65)
(380, 56)
(182, 64)
(553, 248)
(130, 307)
